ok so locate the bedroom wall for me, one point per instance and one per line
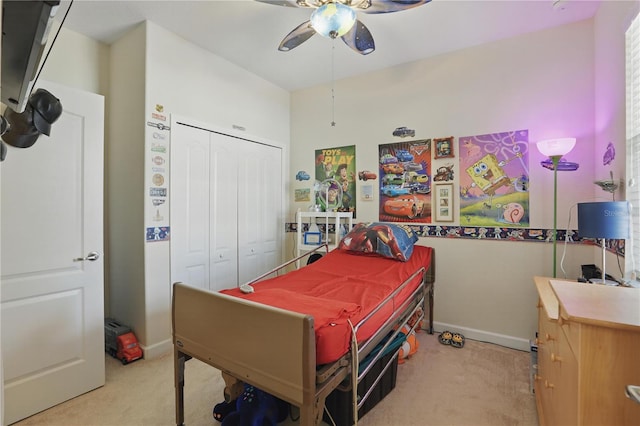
(150, 66)
(543, 82)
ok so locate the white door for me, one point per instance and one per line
(229, 191)
(224, 212)
(52, 305)
(190, 150)
(259, 208)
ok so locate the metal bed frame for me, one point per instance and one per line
(274, 349)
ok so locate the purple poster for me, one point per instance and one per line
(494, 179)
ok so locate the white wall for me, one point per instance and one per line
(566, 81)
(190, 82)
(611, 22)
(543, 82)
(150, 66)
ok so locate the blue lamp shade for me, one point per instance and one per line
(609, 220)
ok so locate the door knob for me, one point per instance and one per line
(92, 256)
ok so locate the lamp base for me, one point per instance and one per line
(605, 282)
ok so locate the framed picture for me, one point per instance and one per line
(443, 202)
(313, 238)
(443, 147)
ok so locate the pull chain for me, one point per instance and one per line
(333, 84)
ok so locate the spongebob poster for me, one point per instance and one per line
(335, 186)
(494, 179)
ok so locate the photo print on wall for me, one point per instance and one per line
(336, 179)
(405, 181)
(494, 179)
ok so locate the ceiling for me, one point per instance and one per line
(248, 33)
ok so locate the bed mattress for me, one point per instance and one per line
(338, 291)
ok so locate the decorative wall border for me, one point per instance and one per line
(494, 233)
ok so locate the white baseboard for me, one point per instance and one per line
(158, 349)
(484, 336)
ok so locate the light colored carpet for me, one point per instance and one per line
(480, 384)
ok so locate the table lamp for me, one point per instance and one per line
(555, 149)
(606, 220)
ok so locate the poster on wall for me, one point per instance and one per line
(157, 169)
(335, 187)
(494, 179)
(405, 181)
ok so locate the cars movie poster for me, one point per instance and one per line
(494, 179)
(335, 188)
(405, 181)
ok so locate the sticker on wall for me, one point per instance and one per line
(335, 174)
(303, 194)
(494, 179)
(405, 181)
(157, 192)
(366, 192)
(158, 126)
(158, 233)
(444, 173)
(609, 155)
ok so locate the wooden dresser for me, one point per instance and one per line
(588, 352)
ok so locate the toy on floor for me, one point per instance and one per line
(221, 410)
(454, 339)
(410, 345)
(256, 408)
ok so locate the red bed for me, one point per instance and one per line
(338, 288)
(292, 337)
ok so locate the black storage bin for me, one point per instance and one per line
(339, 403)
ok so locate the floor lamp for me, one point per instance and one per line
(606, 220)
(555, 149)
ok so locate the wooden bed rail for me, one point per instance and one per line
(267, 347)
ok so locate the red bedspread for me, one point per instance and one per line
(337, 288)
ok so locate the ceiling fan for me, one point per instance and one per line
(337, 18)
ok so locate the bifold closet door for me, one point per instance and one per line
(226, 208)
(190, 169)
(259, 209)
(223, 207)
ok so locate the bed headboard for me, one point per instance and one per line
(267, 347)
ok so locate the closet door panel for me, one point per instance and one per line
(190, 206)
(250, 211)
(223, 208)
(272, 219)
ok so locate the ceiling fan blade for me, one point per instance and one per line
(359, 38)
(386, 6)
(289, 3)
(295, 38)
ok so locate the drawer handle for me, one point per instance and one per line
(539, 342)
(556, 358)
(549, 385)
(549, 337)
(537, 377)
(560, 321)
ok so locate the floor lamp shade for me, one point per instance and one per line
(608, 220)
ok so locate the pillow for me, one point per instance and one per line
(384, 239)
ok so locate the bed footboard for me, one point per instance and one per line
(270, 348)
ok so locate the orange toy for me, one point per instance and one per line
(409, 347)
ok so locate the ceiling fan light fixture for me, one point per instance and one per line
(333, 20)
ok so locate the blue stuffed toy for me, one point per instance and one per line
(256, 408)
